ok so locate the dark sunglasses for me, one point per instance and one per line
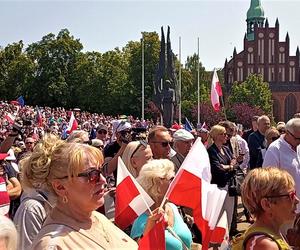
(141, 143)
(29, 142)
(296, 138)
(164, 143)
(93, 176)
(292, 195)
(102, 132)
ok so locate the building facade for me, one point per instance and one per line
(264, 54)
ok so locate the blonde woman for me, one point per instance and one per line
(135, 155)
(155, 177)
(269, 195)
(222, 165)
(71, 173)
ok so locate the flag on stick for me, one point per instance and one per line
(10, 118)
(216, 92)
(154, 239)
(72, 124)
(193, 180)
(131, 198)
(38, 117)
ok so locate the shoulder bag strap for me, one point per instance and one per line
(177, 237)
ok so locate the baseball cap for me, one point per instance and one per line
(102, 127)
(182, 135)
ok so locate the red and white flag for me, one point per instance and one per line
(131, 199)
(4, 197)
(216, 92)
(193, 180)
(154, 239)
(73, 124)
(10, 118)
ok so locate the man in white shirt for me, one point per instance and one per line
(282, 153)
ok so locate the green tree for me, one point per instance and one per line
(55, 57)
(133, 51)
(16, 71)
(253, 91)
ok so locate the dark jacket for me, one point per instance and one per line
(219, 175)
(256, 142)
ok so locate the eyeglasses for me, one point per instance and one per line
(292, 195)
(102, 132)
(93, 176)
(296, 138)
(141, 143)
(164, 144)
(29, 142)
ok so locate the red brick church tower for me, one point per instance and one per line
(264, 54)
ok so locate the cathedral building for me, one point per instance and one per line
(264, 54)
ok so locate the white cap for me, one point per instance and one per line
(182, 135)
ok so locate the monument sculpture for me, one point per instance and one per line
(166, 95)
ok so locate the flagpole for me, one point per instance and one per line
(224, 109)
(143, 80)
(198, 83)
(179, 87)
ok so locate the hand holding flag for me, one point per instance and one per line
(193, 180)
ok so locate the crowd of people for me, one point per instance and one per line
(58, 188)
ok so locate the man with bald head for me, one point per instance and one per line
(282, 153)
(257, 143)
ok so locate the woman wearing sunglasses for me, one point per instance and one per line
(71, 173)
(136, 155)
(155, 177)
(269, 195)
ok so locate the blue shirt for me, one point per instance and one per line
(179, 227)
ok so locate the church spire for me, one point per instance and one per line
(255, 15)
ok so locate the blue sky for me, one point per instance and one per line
(104, 25)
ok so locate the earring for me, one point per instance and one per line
(65, 199)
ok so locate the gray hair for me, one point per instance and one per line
(293, 125)
(8, 232)
(151, 174)
(263, 117)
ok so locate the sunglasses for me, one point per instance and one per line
(296, 138)
(102, 132)
(164, 144)
(29, 142)
(292, 195)
(141, 143)
(93, 176)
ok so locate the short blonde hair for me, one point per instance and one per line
(151, 174)
(8, 232)
(127, 155)
(53, 158)
(214, 132)
(262, 182)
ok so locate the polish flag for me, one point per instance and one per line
(193, 180)
(216, 92)
(4, 197)
(72, 124)
(10, 118)
(131, 199)
(154, 239)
